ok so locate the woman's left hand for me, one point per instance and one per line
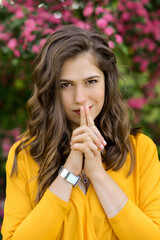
(89, 141)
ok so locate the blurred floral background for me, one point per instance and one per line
(132, 28)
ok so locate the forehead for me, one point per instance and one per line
(81, 66)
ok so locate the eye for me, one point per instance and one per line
(91, 82)
(66, 85)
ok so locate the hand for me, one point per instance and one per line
(74, 162)
(89, 141)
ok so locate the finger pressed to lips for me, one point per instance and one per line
(83, 117)
(89, 117)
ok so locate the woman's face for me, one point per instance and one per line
(82, 83)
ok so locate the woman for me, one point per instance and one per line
(80, 171)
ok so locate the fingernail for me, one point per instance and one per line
(102, 147)
(104, 142)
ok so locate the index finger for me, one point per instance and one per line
(89, 117)
(82, 116)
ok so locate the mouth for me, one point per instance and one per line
(77, 111)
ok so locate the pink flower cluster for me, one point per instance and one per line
(7, 142)
(137, 103)
(12, 45)
(142, 36)
(105, 21)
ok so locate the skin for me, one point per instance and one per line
(81, 88)
(78, 89)
(86, 138)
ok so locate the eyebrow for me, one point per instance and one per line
(88, 78)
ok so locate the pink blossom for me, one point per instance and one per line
(99, 10)
(66, 15)
(118, 38)
(12, 43)
(5, 36)
(125, 16)
(35, 48)
(101, 23)
(39, 22)
(6, 145)
(30, 8)
(15, 132)
(141, 11)
(109, 31)
(42, 42)
(130, 5)
(27, 32)
(57, 6)
(30, 38)
(144, 65)
(105, 2)
(120, 28)
(145, 1)
(2, 28)
(9, 7)
(155, 58)
(108, 17)
(48, 31)
(88, 10)
(139, 26)
(19, 13)
(137, 119)
(151, 46)
(31, 25)
(137, 103)
(150, 94)
(137, 59)
(53, 19)
(111, 44)
(82, 24)
(121, 7)
(67, 3)
(16, 52)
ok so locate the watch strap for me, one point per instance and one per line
(68, 176)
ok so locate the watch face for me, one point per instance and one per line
(64, 173)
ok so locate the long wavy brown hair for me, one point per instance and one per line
(48, 133)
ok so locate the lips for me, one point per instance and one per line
(77, 111)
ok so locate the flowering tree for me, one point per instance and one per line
(132, 29)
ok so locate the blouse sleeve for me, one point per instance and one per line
(21, 221)
(142, 221)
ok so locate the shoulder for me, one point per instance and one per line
(143, 142)
(146, 152)
(21, 157)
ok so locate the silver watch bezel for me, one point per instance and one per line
(68, 176)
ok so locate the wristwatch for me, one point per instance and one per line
(68, 176)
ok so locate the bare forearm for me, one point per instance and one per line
(61, 188)
(110, 195)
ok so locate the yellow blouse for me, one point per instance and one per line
(82, 218)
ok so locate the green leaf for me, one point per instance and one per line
(19, 84)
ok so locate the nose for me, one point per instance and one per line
(80, 96)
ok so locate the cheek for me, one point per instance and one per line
(100, 95)
(66, 101)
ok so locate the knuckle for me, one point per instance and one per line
(74, 132)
